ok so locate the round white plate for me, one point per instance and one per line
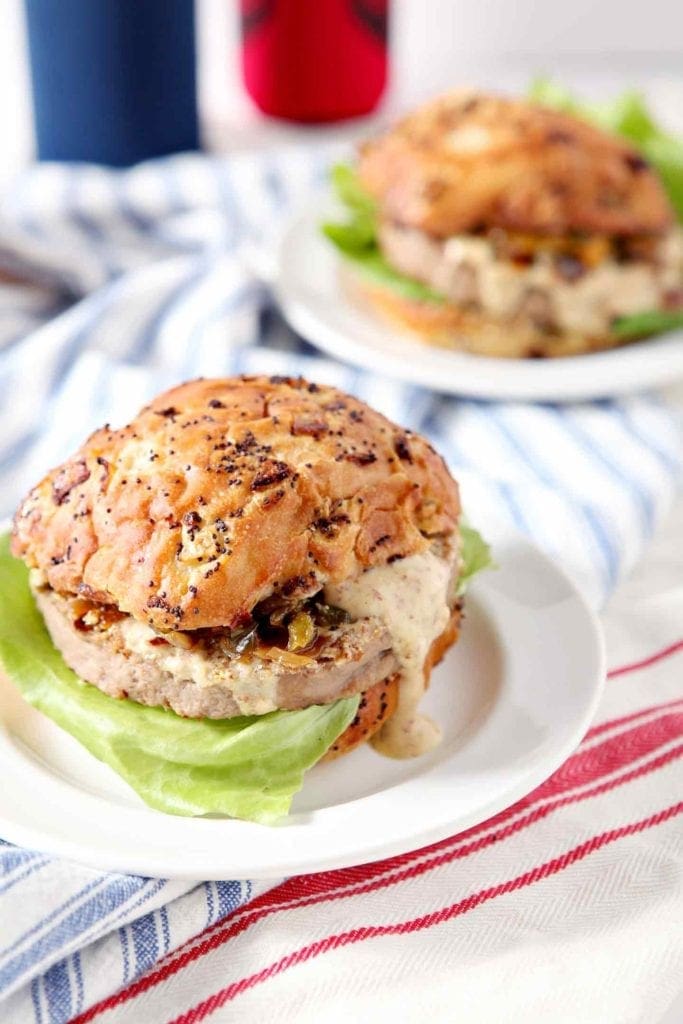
(307, 285)
(514, 697)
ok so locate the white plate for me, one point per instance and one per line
(514, 697)
(306, 281)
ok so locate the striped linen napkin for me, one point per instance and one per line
(137, 283)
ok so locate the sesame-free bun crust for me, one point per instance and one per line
(222, 492)
(468, 161)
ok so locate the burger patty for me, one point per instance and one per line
(128, 659)
(550, 290)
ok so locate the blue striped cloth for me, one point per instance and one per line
(138, 283)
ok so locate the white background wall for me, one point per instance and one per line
(600, 44)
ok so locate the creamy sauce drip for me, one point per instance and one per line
(411, 598)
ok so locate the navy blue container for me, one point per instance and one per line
(113, 80)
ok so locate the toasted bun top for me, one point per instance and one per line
(467, 161)
(222, 492)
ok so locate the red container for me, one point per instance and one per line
(314, 60)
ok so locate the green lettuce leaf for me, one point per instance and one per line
(350, 192)
(247, 767)
(629, 116)
(373, 266)
(356, 239)
(475, 554)
(653, 321)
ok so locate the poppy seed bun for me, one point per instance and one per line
(376, 705)
(221, 493)
(468, 161)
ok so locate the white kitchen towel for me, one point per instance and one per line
(139, 281)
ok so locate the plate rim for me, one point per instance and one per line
(643, 364)
(364, 852)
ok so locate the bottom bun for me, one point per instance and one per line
(446, 325)
(378, 703)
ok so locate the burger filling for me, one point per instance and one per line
(218, 674)
(596, 286)
(289, 654)
(557, 285)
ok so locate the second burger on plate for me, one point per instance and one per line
(505, 228)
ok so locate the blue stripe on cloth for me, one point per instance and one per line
(230, 206)
(125, 934)
(139, 938)
(57, 989)
(227, 304)
(230, 897)
(16, 208)
(592, 447)
(145, 942)
(210, 903)
(12, 857)
(141, 935)
(598, 533)
(165, 928)
(80, 987)
(126, 209)
(518, 516)
(670, 460)
(143, 345)
(118, 890)
(94, 884)
(495, 419)
(93, 308)
(36, 1001)
(21, 876)
(125, 953)
(93, 233)
(273, 183)
(170, 183)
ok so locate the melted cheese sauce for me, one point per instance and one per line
(411, 598)
(253, 690)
